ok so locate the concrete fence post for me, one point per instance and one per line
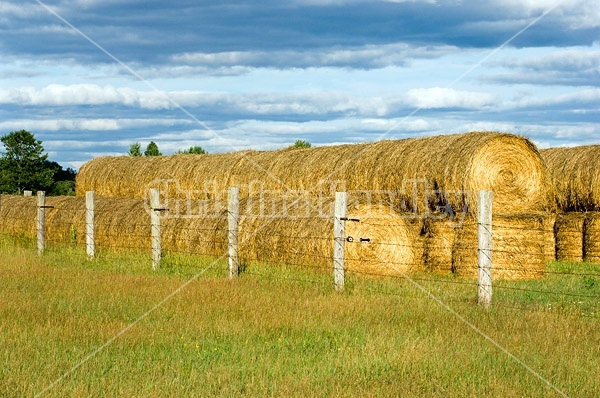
(90, 206)
(485, 246)
(155, 222)
(41, 222)
(339, 239)
(233, 216)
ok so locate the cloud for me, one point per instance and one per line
(448, 98)
(576, 66)
(576, 14)
(367, 56)
(75, 124)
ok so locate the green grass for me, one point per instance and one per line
(280, 331)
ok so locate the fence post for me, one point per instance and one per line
(90, 206)
(41, 221)
(27, 193)
(339, 239)
(233, 216)
(155, 220)
(485, 245)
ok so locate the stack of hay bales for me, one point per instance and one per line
(302, 236)
(523, 244)
(416, 176)
(460, 164)
(575, 175)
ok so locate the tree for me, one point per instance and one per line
(23, 164)
(194, 150)
(135, 149)
(301, 144)
(152, 150)
(64, 180)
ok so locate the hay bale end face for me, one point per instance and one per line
(413, 174)
(591, 239)
(568, 231)
(522, 246)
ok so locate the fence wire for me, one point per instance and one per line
(420, 253)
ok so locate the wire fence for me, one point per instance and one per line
(439, 254)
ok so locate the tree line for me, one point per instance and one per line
(25, 166)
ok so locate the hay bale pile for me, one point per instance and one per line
(413, 175)
(575, 175)
(460, 164)
(302, 237)
(522, 246)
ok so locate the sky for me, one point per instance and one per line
(91, 77)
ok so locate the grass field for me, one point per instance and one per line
(284, 332)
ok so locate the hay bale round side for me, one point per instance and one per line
(521, 246)
(459, 165)
(568, 231)
(382, 243)
(439, 234)
(575, 176)
(591, 240)
(18, 215)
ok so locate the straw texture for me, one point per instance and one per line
(414, 174)
(575, 175)
(523, 245)
(568, 231)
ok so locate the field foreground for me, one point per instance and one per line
(282, 332)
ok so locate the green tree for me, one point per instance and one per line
(23, 164)
(301, 144)
(64, 180)
(194, 150)
(152, 150)
(135, 149)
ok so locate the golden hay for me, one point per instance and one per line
(568, 231)
(575, 176)
(459, 164)
(591, 238)
(439, 234)
(381, 243)
(18, 215)
(295, 232)
(522, 245)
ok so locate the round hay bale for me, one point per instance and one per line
(412, 174)
(18, 215)
(575, 177)
(439, 234)
(381, 243)
(521, 246)
(568, 231)
(591, 240)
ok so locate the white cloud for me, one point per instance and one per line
(586, 97)
(76, 124)
(578, 14)
(368, 56)
(438, 97)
